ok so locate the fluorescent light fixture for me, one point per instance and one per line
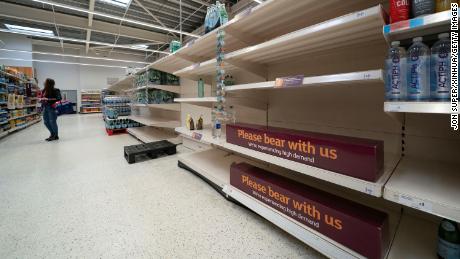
(140, 46)
(29, 30)
(78, 9)
(74, 56)
(61, 62)
(258, 1)
(121, 3)
(84, 41)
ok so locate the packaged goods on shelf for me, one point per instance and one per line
(360, 228)
(355, 157)
(421, 74)
(121, 123)
(440, 68)
(422, 7)
(174, 46)
(448, 240)
(216, 15)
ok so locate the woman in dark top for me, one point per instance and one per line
(50, 96)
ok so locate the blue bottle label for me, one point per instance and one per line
(395, 78)
(448, 250)
(440, 75)
(418, 87)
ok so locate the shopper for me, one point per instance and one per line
(50, 95)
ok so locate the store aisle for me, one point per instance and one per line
(79, 198)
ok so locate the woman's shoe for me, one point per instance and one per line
(54, 138)
(50, 138)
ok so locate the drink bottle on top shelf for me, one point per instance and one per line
(440, 68)
(395, 73)
(422, 7)
(443, 5)
(399, 10)
(418, 86)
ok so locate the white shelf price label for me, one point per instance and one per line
(415, 203)
(197, 136)
(367, 76)
(360, 14)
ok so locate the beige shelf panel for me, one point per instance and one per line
(259, 24)
(371, 188)
(156, 122)
(416, 238)
(124, 83)
(354, 78)
(356, 28)
(429, 186)
(418, 107)
(151, 134)
(163, 106)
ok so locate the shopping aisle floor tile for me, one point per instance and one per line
(78, 197)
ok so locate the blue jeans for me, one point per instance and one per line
(50, 117)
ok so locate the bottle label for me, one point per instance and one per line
(448, 250)
(395, 81)
(440, 75)
(418, 77)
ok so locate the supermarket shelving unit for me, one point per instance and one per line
(90, 101)
(339, 47)
(20, 114)
(159, 120)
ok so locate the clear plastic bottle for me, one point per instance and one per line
(440, 68)
(395, 73)
(418, 63)
(231, 114)
(200, 88)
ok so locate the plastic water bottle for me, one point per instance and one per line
(395, 73)
(440, 68)
(200, 88)
(418, 86)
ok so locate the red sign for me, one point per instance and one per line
(356, 157)
(360, 228)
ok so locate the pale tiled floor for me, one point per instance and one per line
(79, 198)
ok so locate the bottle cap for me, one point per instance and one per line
(395, 43)
(417, 39)
(443, 35)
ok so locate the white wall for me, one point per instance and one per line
(18, 42)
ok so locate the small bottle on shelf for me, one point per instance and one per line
(448, 240)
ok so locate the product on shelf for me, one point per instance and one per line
(360, 228)
(443, 5)
(355, 157)
(448, 240)
(395, 73)
(123, 123)
(199, 123)
(418, 87)
(399, 10)
(440, 68)
(174, 46)
(189, 122)
(200, 88)
(422, 7)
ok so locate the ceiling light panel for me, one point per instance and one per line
(120, 3)
(29, 30)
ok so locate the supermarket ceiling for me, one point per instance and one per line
(132, 25)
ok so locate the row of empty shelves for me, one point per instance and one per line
(430, 186)
(406, 231)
